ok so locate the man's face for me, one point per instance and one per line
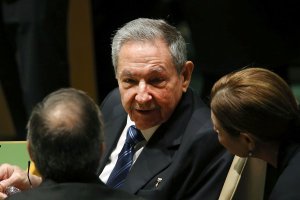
(149, 84)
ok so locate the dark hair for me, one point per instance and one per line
(256, 101)
(65, 136)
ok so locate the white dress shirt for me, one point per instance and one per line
(114, 155)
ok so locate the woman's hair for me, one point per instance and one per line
(144, 29)
(256, 101)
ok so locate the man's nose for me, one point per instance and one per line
(142, 93)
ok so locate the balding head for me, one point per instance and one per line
(63, 114)
(66, 115)
(65, 136)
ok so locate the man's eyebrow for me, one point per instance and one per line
(125, 73)
(158, 69)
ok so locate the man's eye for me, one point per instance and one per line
(156, 81)
(129, 81)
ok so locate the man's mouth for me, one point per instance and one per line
(143, 111)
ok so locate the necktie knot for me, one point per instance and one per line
(134, 136)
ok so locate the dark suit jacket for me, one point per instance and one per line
(184, 152)
(50, 190)
(287, 173)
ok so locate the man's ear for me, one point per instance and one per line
(29, 149)
(248, 140)
(187, 74)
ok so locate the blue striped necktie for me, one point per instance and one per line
(124, 162)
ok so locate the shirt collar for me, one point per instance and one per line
(147, 133)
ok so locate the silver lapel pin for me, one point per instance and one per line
(158, 182)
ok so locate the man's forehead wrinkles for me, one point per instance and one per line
(156, 69)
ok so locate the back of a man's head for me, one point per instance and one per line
(65, 136)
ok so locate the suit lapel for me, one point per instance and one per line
(158, 154)
(151, 162)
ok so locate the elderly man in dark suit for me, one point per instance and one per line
(180, 157)
(159, 136)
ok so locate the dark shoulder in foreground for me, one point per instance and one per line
(74, 191)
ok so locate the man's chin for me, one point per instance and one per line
(144, 114)
(145, 124)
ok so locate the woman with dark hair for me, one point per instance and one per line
(255, 114)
